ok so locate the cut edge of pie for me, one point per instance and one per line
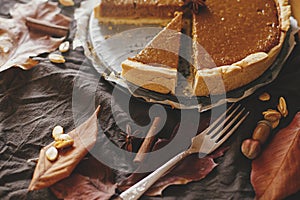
(222, 79)
(158, 79)
(147, 70)
(212, 81)
(124, 20)
(137, 11)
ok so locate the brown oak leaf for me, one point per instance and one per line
(80, 187)
(47, 173)
(85, 183)
(276, 173)
(19, 43)
(183, 173)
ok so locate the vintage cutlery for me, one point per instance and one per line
(204, 143)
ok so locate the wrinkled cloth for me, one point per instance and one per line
(32, 102)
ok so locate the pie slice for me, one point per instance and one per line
(155, 67)
(137, 11)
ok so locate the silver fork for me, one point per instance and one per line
(205, 142)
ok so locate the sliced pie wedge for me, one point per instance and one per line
(234, 41)
(155, 67)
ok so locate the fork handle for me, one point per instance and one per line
(138, 189)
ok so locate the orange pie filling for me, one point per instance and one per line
(234, 41)
(155, 67)
(137, 11)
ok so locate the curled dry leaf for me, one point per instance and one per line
(276, 173)
(47, 173)
(19, 43)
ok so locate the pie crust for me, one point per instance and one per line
(155, 67)
(206, 81)
(225, 78)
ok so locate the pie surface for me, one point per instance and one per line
(155, 67)
(234, 41)
(137, 11)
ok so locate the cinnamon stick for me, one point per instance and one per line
(46, 27)
(148, 141)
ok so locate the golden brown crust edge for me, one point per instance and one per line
(226, 78)
(158, 79)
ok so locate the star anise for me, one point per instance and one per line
(195, 5)
(127, 138)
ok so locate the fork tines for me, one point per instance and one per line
(229, 121)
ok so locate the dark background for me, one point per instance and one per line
(32, 102)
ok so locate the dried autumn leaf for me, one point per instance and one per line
(47, 173)
(18, 43)
(77, 187)
(183, 173)
(276, 173)
(85, 183)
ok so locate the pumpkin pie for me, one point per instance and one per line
(234, 41)
(155, 67)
